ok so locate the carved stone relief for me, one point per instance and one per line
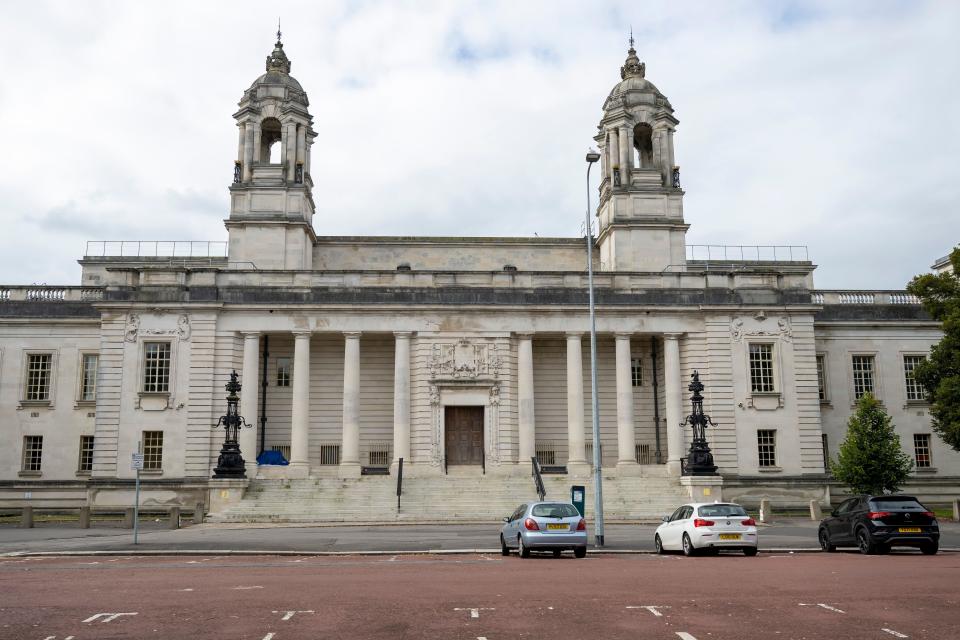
(783, 331)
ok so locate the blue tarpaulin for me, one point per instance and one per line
(271, 457)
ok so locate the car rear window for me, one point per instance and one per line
(896, 504)
(722, 511)
(558, 510)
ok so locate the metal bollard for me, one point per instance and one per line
(765, 513)
(198, 513)
(26, 518)
(128, 518)
(815, 512)
(174, 517)
(84, 517)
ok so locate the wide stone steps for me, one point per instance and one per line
(451, 498)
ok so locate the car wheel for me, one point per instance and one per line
(865, 542)
(930, 548)
(580, 552)
(749, 551)
(825, 542)
(504, 550)
(688, 548)
(658, 544)
(556, 553)
(522, 549)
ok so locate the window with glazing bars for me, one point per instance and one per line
(283, 372)
(32, 453)
(921, 450)
(85, 464)
(822, 377)
(636, 371)
(88, 376)
(153, 450)
(156, 367)
(761, 368)
(862, 375)
(767, 447)
(914, 390)
(39, 366)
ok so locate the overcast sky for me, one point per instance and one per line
(832, 125)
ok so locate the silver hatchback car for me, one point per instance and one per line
(544, 526)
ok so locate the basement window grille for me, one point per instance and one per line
(643, 454)
(329, 454)
(284, 450)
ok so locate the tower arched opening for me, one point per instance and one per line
(643, 146)
(270, 140)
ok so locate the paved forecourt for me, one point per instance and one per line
(475, 596)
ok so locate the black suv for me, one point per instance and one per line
(876, 523)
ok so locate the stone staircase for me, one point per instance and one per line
(455, 498)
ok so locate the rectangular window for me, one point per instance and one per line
(643, 454)
(636, 371)
(761, 368)
(329, 454)
(88, 377)
(914, 390)
(153, 450)
(862, 375)
(156, 367)
(32, 453)
(39, 366)
(921, 450)
(826, 452)
(85, 465)
(283, 372)
(822, 377)
(767, 447)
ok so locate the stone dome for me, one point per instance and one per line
(634, 89)
(277, 81)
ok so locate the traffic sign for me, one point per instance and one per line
(136, 461)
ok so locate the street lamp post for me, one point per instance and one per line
(230, 464)
(592, 157)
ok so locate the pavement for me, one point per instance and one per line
(154, 537)
(482, 597)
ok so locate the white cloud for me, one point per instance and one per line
(826, 124)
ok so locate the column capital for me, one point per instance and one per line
(248, 335)
(672, 336)
(352, 335)
(524, 335)
(575, 335)
(403, 335)
(302, 333)
(623, 335)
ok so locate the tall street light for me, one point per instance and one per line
(592, 157)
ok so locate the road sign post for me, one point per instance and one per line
(136, 463)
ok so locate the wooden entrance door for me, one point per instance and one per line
(463, 428)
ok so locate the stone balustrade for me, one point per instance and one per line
(39, 293)
(864, 297)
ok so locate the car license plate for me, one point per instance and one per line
(729, 536)
(909, 529)
(557, 527)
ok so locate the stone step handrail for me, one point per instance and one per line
(863, 297)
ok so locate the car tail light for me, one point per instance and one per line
(930, 514)
(581, 526)
(749, 522)
(700, 522)
(530, 525)
(877, 515)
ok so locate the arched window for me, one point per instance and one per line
(643, 146)
(270, 141)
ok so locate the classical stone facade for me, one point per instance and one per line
(465, 357)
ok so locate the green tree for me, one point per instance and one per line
(939, 375)
(870, 459)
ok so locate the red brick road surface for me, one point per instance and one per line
(802, 596)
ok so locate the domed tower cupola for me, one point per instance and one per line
(271, 195)
(641, 203)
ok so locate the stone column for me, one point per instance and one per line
(527, 420)
(248, 153)
(674, 412)
(671, 160)
(401, 399)
(258, 143)
(626, 439)
(242, 128)
(577, 464)
(300, 413)
(624, 156)
(350, 449)
(301, 144)
(248, 401)
(291, 142)
(614, 157)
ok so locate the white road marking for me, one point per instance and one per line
(896, 634)
(685, 636)
(109, 617)
(820, 604)
(289, 614)
(269, 636)
(71, 638)
(652, 608)
(474, 611)
(256, 586)
(187, 589)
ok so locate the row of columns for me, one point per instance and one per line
(293, 148)
(350, 447)
(619, 153)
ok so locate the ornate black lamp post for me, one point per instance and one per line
(230, 463)
(699, 461)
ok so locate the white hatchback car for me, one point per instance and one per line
(709, 526)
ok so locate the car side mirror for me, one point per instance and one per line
(834, 513)
(665, 519)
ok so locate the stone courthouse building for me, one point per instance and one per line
(463, 356)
